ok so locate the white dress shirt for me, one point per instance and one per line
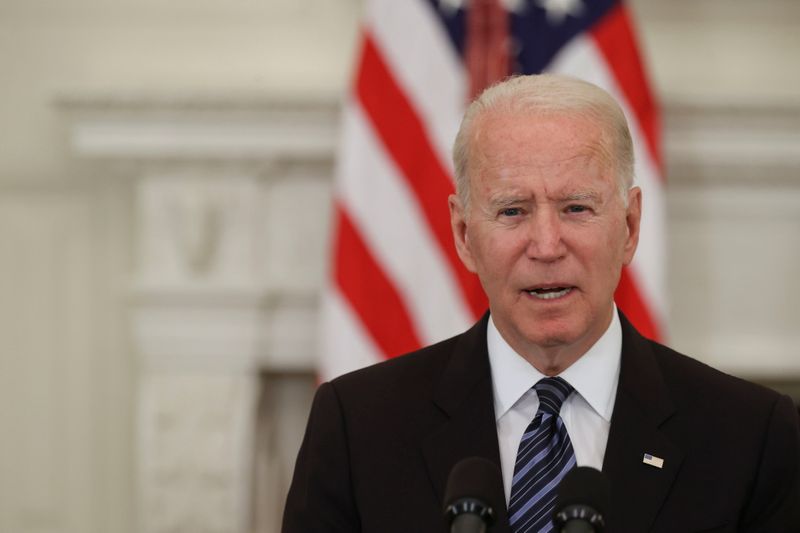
(586, 412)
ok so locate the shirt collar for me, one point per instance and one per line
(594, 375)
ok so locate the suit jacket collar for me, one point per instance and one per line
(464, 395)
(643, 404)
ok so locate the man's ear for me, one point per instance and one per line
(458, 223)
(633, 219)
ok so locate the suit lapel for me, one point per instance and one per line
(465, 395)
(643, 403)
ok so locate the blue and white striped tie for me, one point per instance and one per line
(545, 455)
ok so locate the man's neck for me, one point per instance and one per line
(552, 360)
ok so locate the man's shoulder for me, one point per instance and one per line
(462, 353)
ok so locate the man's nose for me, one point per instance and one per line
(545, 242)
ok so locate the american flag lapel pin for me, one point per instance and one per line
(652, 460)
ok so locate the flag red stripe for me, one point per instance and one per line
(396, 123)
(615, 39)
(372, 296)
(629, 300)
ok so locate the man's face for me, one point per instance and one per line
(546, 229)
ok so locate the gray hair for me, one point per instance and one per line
(548, 94)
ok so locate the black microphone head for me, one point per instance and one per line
(584, 494)
(474, 486)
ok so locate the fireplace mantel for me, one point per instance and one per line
(230, 198)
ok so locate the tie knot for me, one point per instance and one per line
(552, 393)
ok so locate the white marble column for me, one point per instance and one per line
(196, 310)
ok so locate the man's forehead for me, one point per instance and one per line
(586, 169)
(537, 138)
(580, 177)
(507, 163)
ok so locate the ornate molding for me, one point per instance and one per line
(244, 128)
(213, 177)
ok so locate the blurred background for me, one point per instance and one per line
(165, 186)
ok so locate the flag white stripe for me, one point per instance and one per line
(582, 59)
(345, 345)
(420, 55)
(386, 213)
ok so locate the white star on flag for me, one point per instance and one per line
(557, 10)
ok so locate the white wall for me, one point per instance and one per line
(729, 51)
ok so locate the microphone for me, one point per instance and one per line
(584, 497)
(474, 494)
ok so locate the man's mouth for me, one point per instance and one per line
(549, 293)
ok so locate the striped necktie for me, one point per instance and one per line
(545, 455)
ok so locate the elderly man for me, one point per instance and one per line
(553, 376)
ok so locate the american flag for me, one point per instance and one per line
(396, 283)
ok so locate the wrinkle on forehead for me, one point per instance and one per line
(596, 149)
(576, 177)
(513, 166)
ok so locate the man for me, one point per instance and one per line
(553, 376)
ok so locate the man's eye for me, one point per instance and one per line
(511, 212)
(577, 209)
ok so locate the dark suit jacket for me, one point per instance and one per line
(381, 441)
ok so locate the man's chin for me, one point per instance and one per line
(546, 333)
(551, 339)
(535, 328)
